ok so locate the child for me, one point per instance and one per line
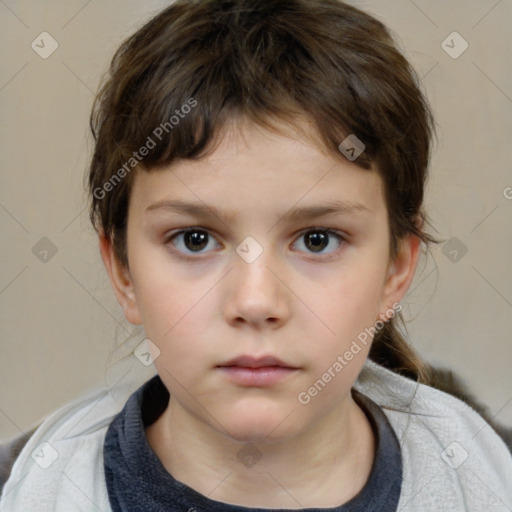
(257, 186)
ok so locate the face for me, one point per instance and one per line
(253, 270)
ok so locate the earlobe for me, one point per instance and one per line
(120, 280)
(401, 271)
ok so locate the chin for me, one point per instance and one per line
(261, 425)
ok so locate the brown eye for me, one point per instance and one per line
(191, 240)
(195, 240)
(316, 241)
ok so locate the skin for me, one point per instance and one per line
(204, 308)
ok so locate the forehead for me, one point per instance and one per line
(253, 169)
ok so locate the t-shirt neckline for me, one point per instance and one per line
(137, 480)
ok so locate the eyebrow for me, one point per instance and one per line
(306, 212)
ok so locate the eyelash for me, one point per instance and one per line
(190, 255)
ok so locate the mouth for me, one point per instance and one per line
(250, 371)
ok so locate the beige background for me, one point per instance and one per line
(59, 321)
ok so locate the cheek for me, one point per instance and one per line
(175, 320)
(340, 319)
(173, 314)
(352, 302)
(164, 294)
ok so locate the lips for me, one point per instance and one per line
(257, 372)
(247, 361)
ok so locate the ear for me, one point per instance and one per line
(120, 280)
(400, 272)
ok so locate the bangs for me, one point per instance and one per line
(318, 67)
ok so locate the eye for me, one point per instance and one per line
(318, 239)
(197, 241)
(192, 240)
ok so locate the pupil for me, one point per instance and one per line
(198, 240)
(316, 240)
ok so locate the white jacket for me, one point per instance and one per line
(452, 459)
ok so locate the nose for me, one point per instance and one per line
(257, 294)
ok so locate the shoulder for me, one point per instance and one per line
(453, 459)
(61, 466)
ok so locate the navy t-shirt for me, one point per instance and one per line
(137, 481)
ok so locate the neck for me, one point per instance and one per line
(322, 467)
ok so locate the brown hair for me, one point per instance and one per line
(179, 79)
